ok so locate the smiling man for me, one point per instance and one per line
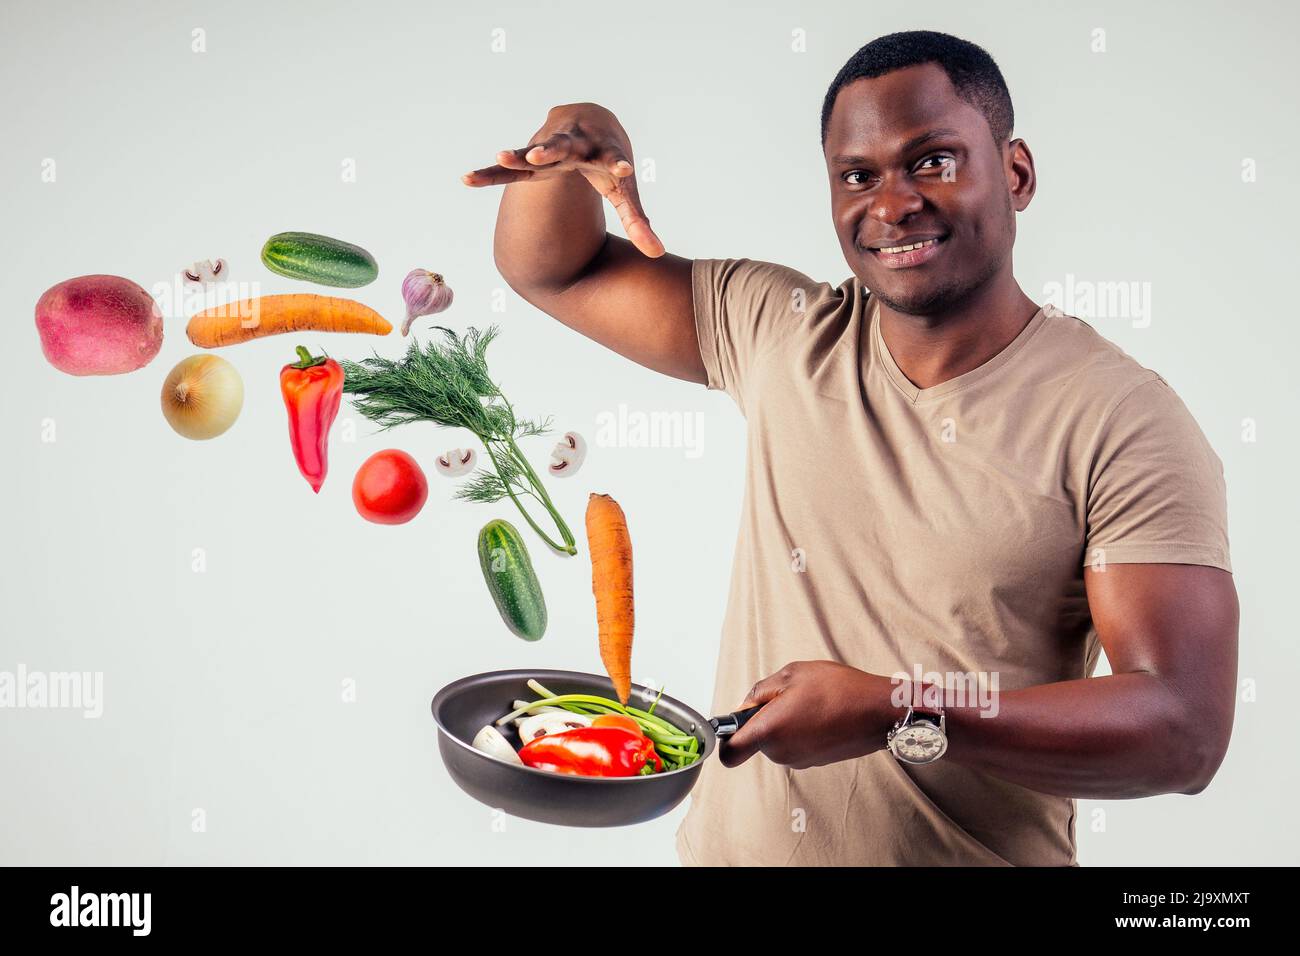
(944, 478)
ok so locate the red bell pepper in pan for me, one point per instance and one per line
(592, 752)
(313, 390)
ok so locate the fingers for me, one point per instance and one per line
(511, 167)
(556, 148)
(636, 224)
(495, 176)
(615, 161)
(765, 690)
(749, 739)
(515, 165)
(514, 158)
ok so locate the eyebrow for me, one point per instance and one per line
(907, 147)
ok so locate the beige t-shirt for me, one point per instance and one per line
(886, 526)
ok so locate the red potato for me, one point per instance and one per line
(98, 325)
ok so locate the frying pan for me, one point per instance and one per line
(464, 707)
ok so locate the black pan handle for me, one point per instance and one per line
(728, 724)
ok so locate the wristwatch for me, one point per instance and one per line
(919, 737)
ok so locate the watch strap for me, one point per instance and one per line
(927, 711)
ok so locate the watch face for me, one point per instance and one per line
(919, 743)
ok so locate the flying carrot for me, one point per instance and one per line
(235, 322)
(611, 582)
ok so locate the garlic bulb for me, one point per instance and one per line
(202, 396)
(425, 294)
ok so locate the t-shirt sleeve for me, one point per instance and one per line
(743, 309)
(1156, 491)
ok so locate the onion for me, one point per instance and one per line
(491, 742)
(202, 397)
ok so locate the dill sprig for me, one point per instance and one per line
(446, 381)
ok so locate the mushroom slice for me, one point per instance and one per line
(456, 462)
(568, 455)
(539, 725)
(205, 271)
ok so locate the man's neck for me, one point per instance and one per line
(931, 349)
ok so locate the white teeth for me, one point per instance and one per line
(894, 250)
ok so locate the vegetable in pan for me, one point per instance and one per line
(593, 752)
(612, 740)
(491, 741)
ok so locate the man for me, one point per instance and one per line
(943, 479)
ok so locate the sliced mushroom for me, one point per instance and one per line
(205, 271)
(568, 455)
(456, 462)
(539, 725)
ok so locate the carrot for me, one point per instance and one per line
(235, 322)
(611, 582)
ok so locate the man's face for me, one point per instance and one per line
(909, 160)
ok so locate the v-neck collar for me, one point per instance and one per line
(918, 395)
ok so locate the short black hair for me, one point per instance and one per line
(972, 71)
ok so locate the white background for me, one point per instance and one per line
(222, 689)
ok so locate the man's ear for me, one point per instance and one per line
(1022, 181)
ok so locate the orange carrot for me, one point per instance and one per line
(611, 582)
(235, 322)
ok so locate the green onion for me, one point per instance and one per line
(675, 747)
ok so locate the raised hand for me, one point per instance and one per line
(581, 138)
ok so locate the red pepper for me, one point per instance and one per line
(592, 752)
(313, 390)
(629, 724)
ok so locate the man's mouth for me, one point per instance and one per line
(907, 253)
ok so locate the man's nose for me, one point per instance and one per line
(894, 200)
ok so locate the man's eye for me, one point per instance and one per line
(941, 159)
(854, 172)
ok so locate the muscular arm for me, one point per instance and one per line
(552, 247)
(1159, 723)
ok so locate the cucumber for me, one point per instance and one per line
(319, 259)
(511, 580)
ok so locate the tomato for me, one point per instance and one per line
(389, 488)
